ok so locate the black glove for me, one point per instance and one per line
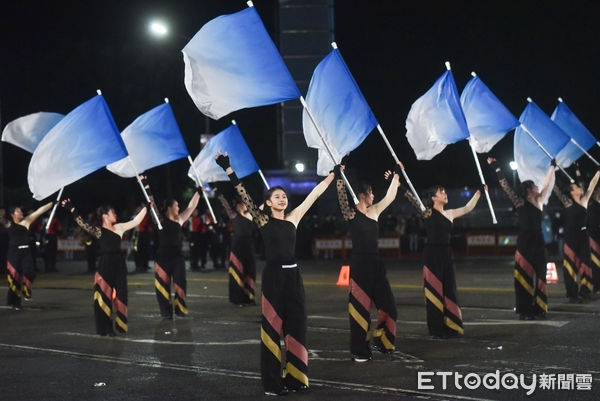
(481, 187)
(336, 170)
(345, 160)
(223, 162)
(68, 205)
(397, 169)
(146, 185)
(553, 162)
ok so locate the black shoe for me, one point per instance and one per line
(526, 316)
(540, 315)
(298, 389)
(283, 391)
(378, 346)
(360, 359)
(575, 300)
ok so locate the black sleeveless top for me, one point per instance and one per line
(19, 236)
(170, 238)
(530, 226)
(279, 237)
(575, 218)
(364, 232)
(109, 242)
(242, 227)
(593, 219)
(439, 229)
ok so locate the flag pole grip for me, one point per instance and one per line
(54, 209)
(139, 180)
(210, 209)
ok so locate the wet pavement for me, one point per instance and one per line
(48, 350)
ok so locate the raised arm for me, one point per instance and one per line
(461, 211)
(230, 212)
(183, 216)
(389, 197)
(92, 230)
(121, 228)
(257, 215)
(348, 211)
(31, 218)
(588, 194)
(516, 200)
(547, 183)
(413, 201)
(296, 215)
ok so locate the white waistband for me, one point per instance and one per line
(23, 246)
(289, 266)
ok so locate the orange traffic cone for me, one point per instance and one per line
(344, 278)
(551, 273)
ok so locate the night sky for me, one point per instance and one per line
(56, 54)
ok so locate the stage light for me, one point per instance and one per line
(299, 167)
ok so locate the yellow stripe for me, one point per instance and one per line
(182, 308)
(12, 286)
(270, 344)
(102, 304)
(572, 273)
(26, 291)
(542, 304)
(358, 317)
(453, 325)
(296, 373)
(595, 260)
(434, 300)
(523, 282)
(121, 323)
(162, 290)
(236, 277)
(589, 285)
(386, 342)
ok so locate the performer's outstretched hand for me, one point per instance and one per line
(67, 204)
(223, 160)
(491, 160)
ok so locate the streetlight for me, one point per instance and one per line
(158, 28)
(513, 166)
(299, 167)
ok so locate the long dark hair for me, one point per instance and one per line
(430, 193)
(364, 188)
(526, 187)
(167, 204)
(103, 209)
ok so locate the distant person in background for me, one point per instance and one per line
(195, 223)
(412, 230)
(20, 265)
(143, 244)
(51, 245)
(35, 240)
(89, 242)
(3, 241)
(207, 240)
(593, 229)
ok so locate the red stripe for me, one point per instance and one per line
(294, 346)
(595, 246)
(585, 269)
(269, 313)
(26, 281)
(180, 292)
(236, 262)
(13, 272)
(389, 323)
(249, 281)
(452, 307)
(570, 254)
(541, 286)
(360, 295)
(121, 307)
(525, 265)
(162, 274)
(106, 289)
(432, 280)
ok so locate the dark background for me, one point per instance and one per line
(56, 54)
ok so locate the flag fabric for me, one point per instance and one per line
(152, 139)
(229, 141)
(570, 124)
(552, 138)
(27, 132)
(232, 63)
(436, 119)
(487, 118)
(340, 110)
(85, 140)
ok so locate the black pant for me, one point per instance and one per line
(283, 311)
(111, 276)
(577, 261)
(165, 268)
(50, 253)
(195, 250)
(20, 276)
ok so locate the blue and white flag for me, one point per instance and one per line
(28, 131)
(232, 63)
(152, 139)
(340, 110)
(229, 141)
(570, 124)
(532, 161)
(436, 119)
(85, 140)
(487, 118)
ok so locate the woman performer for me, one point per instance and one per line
(19, 262)
(444, 318)
(531, 297)
(112, 269)
(282, 287)
(576, 248)
(593, 229)
(169, 259)
(368, 279)
(242, 268)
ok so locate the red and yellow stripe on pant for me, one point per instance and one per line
(104, 295)
(236, 272)
(441, 308)
(595, 263)
(524, 273)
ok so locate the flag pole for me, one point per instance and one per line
(389, 146)
(54, 208)
(481, 177)
(212, 213)
(545, 151)
(580, 147)
(312, 118)
(264, 179)
(139, 180)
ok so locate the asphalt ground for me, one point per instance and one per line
(49, 349)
